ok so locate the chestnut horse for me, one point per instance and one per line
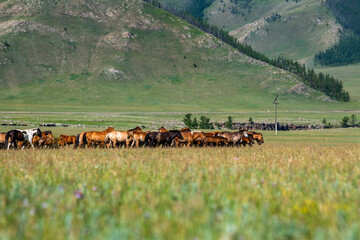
(139, 138)
(94, 137)
(216, 140)
(258, 137)
(66, 140)
(2, 139)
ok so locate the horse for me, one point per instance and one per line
(94, 137)
(249, 140)
(190, 137)
(49, 139)
(116, 137)
(162, 129)
(139, 138)
(162, 138)
(137, 129)
(216, 140)
(29, 134)
(12, 137)
(233, 138)
(65, 140)
(2, 139)
(80, 140)
(258, 137)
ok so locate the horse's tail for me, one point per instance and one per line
(77, 141)
(107, 138)
(7, 136)
(83, 139)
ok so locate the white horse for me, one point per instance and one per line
(29, 134)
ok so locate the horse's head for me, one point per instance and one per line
(259, 138)
(137, 129)
(38, 132)
(179, 135)
(162, 129)
(109, 129)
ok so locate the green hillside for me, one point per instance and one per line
(129, 56)
(292, 29)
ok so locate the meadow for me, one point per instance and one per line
(301, 184)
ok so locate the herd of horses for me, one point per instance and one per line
(136, 137)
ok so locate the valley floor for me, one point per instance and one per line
(299, 185)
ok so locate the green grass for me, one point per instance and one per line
(349, 76)
(300, 185)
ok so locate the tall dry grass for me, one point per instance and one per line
(265, 192)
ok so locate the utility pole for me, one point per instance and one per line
(276, 103)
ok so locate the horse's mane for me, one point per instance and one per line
(253, 132)
(185, 129)
(137, 128)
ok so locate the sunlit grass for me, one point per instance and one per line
(269, 191)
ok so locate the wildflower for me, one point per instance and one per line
(78, 194)
(32, 211)
(61, 189)
(235, 158)
(44, 205)
(94, 189)
(25, 202)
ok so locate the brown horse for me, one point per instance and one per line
(162, 129)
(94, 137)
(247, 141)
(233, 138)
(258, 137)
(190, 137)
(139, 139)
(66, 140)
(46, 139)
(217, 141)
(121, 137)
(2, 139)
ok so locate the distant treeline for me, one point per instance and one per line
(330, 86)
(347, 51)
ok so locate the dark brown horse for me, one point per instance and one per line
(154, 139)
(12, 137)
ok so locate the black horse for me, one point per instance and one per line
(12, 137)
(154, 139)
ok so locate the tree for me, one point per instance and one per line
(324, 121)
(187, 120)
(251, 120)
(345, 122)
(353, 120)
(229, 123)
(194, 123)
(204, 123)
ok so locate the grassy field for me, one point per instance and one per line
(348, 74)
(154, 120)
(297, 185)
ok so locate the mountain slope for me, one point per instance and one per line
(129, 56)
